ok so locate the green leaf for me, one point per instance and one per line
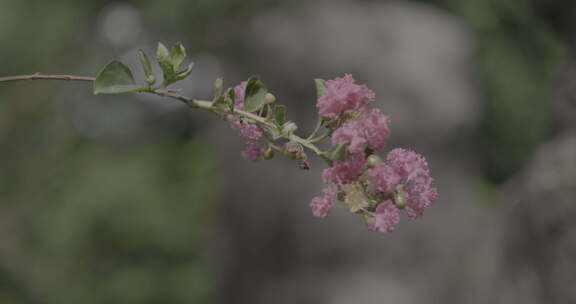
(255, 94)
(231, 99)
(115, 78)
(280, 114)
(219, 102)
(320, 87)
(183, 74)
(178, 54)
(337, 152)
(145, 63)
(218, 87)
(164, 60)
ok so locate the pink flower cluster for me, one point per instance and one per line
(406, 178)
(343, 95)
(402, 182)
(251, 133)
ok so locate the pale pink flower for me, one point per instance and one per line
(421, 194)
(405, 171)
(342, 95)
(370, 130)
(250, 132)
(252, 152)
(239, 94)
(376, 129)
(352, 133)
(383, 178)
(321, 205)
(386, 217)
(408, 164)
(344, 171)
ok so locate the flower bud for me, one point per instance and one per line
(269, 153)
(269, 98)
(400, 199)
(294, 150)
(373, 160)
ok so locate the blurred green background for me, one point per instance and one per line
(100, 196)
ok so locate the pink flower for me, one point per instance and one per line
(321, 205)
(371, 130)
(386, 217)
(252, 152)
(408, 164)
(376, 129)
(239, 94)
(408, 170)
(343, 95)
(421, 194)
(250, 132)
(344, 171)
(352, 133)
(384, 178)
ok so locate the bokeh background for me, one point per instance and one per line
(137, 199)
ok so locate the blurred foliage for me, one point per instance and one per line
(114, 206)
(519, 58)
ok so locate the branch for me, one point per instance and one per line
(46, 77)
(200, 104)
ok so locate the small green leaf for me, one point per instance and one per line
(145, 63)
(231, 99)
(255, 94)
(115, 78)
(183, 74)
(320, 87)
(218, 87)
(219, 102)
(164, 60)
(280, 114)
(178, 54)
(337, 152)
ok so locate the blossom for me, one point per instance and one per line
(407, 173)
(386, 217)
(408, 164)
(421, 194)
(369, 130)
(384, 178)
(350, 132)
(376, 129)
(239, 94)
(342, 95)
(321, 205)
(252, 152)
(345, 171)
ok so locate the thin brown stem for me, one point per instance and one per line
(46, 77)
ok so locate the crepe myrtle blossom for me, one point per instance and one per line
(376, 190)
(343, 95)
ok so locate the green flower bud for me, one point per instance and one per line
(373, 160)
(269, 98)
(400, 199)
